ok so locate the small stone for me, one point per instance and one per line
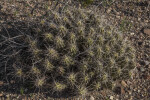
(109, 10)
(132, 21)
(117, 13)
(130, 92)
(147, 31)
(132, 33)
(134, 90)
(7, 95)
(1, 83)
(146, 21)
(19, 96)
(123, 83)
(118, 17)
(139, 19)
(131, 98)
(92, 98)
(126, 96)
(111, 97)
(147, 62)
(142, 69)
(1, 94)
(12, 81)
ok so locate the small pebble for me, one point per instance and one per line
(1, 94)
(118, 17)
(147, 62)
(109, 10)
(7, 95)
(134, 90)
(142, 69)
(130, 92)
(111, 97)
(126, 96)
(131, 98)
(139, 19)
(146, 21)
(92, 98)
(1, 83)
(132, 33)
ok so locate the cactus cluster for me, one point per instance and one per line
(75, 50)
(87, 2)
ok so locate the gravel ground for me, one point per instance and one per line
(131, 17)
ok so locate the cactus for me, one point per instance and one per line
(76, 50)
(87, 2)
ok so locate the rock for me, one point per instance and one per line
(126, 96)
(142, 69)
(132, 33)
(111, 97)
(7, 95)
(109, 10)
(139, 19)
(138, 65)
(146, 21)
(147, 62)
(130, 92)
(12, 81)
(123, 83)
(147, 31)
(1, 94)
(118, 17)
(1, 83)
(131, 98)
(91, 98)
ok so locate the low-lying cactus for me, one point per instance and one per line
(75, 50)
(87, 2)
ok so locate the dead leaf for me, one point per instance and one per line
(122, 90)
(123, 83)
(147, 31)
